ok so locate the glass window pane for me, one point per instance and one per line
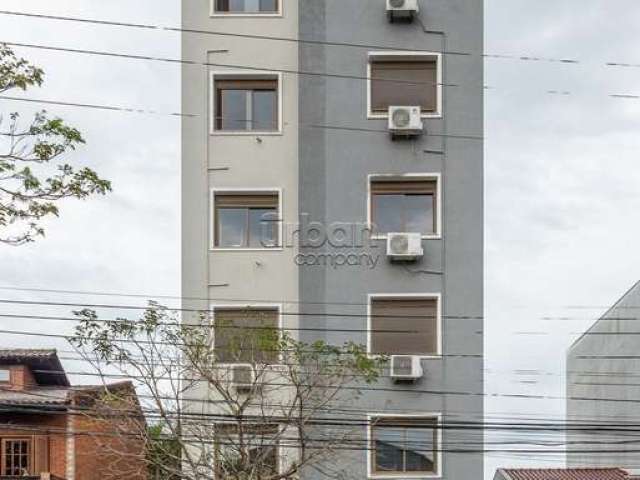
(246, 6)
(268, 5)
(264, 110)
(234, 110)
(232, 227)
(237, 5)
(246, 336)
(387, 213)
(420, 449)
(263, 228)
(419, 213)
(405, 448)
(389, 446)
(255, 455)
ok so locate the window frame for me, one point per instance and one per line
(407, 296)
(30, 452)
(219, 14)
(408, 177)
(248, 191)
(371, 451)
(400, 56)
(252, 306)
(245, 75)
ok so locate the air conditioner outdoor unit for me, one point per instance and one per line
(406, 368)
(405, 121)
(402, 9)
(404, 246)
(242, 377)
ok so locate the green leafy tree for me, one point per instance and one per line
(33, 180)
(163, 454)
(269, 421)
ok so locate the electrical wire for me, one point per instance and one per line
(393, 390)
(355, 420)
(190, 115)
(152, 296)
(223, 65)
(151, 27)
(256, 303)
(176, 61)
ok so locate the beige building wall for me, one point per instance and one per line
(221, 161)
(224, 161)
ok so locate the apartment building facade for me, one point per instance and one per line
(602, 388)
(293, 185)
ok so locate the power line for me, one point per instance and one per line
(112, 108)
(399, 390)
(72, 337)
(446, 423)
(190, 115)
(175, 61)
(361, 421)
(255, 304)
(212, 326)
(450, 413)
(177, 297)
(151, 27)
(224, 65)
(100, 293)
(224, 420)
(204, 311)
(314, 443)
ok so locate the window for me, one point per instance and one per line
(246, 335)
(246, 104)
(16, 455)
(404, 81)
(246, 6)
(5, 375)
(246, 220)
(404, 326)
(404, 206)
(255, 455)
(404, 445)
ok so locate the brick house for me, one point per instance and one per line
(50, 429)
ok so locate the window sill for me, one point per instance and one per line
(438, 356)
(246, 15)
(241, 133)
(375, 476)
(265, 366)
(437, 236)
(243, 249)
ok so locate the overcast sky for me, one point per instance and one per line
(561, 186)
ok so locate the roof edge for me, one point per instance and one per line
(604, 315)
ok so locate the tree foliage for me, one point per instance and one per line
(33, 180)
(270, 425)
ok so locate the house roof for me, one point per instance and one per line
(55, 397)
(564, 474)
(44, 364)
(40, 397)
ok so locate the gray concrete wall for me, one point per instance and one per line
(604, 391)
(334, 166)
